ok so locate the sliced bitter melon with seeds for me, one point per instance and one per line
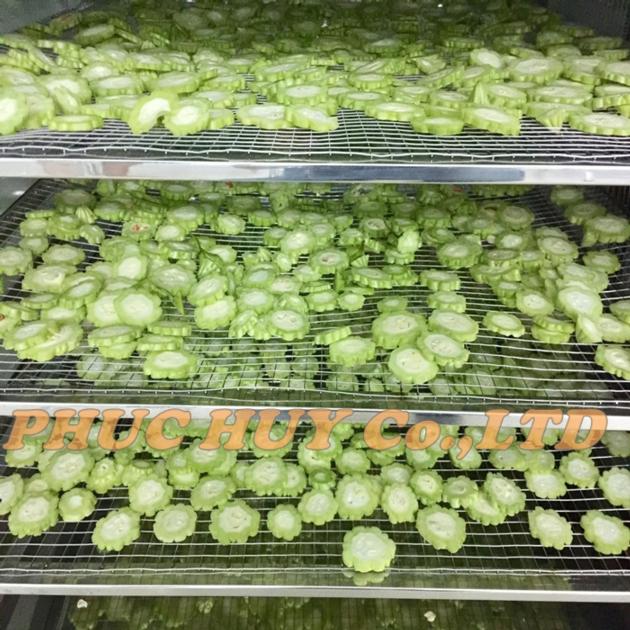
(442, 528)
(550, 528)
(443, 350)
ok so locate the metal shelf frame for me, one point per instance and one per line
(362, 149)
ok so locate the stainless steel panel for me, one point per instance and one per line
(15, 14)
(607, 17)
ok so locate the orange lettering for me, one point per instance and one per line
(324, 425)
(111, 417)
(236, 430)
(422, 435)
(491, 434)
(26, 422)
(373, 432)
(67, 421)
(155, 429)
(262, 436)
(539, 419)
(569, 440)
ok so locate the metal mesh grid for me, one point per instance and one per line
(358, 139)
(575, 380)
(492, 557)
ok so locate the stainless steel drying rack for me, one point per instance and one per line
(575, 380)
(495, 563)
(362, 149)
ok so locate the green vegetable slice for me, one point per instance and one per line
(393, 329)
(318, 507)
(352, 461)
(447, 301)
(578, 301)
(287, 324)
(422, 459)
(551, 529)
(539, 70)
(170, 364)
(105, 475)
(505, 493)
(442, 528)
(267, 476)
(410, 367)
(471, 461)
(609, 228)
(459, 491)
(427, 485)
(483, 509)
(600, 123)
(621, 310)
(459, 254)
(352, 351)
(33, 514)
(234, 522)
(217, 314)
(617, 443)
(533, 303)
(438, 280)
(492, 119)
(443, 350)
(208, 289)
(578, 469)
(13, 111)
(613, 330)
(608, 534)
(149, 495)
(136, 307)
(188, 116)
(148, 110)
(267, 116)
(174, 523)
(116, 530)
(14, 260)
(368, 549)
(511, 458)
(65, 469)
(46, 278)
(314, 118)
(327, 337)
(211, 492)
(76, 505)
(399, 503)
(113, 335)
(23, 457)
(284, 522)
(504, 324)
(11, 489)
(546, 484)
(458, 326)
(356, 497)
(615, 484)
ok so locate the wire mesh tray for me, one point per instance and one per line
(576, 381)
(359, 139)
(502, 562)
